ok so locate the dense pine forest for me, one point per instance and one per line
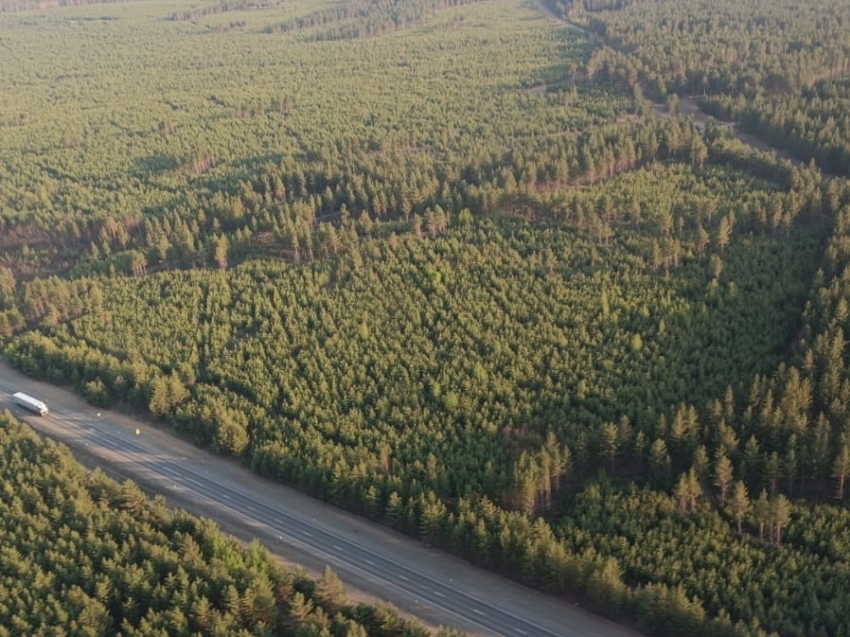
(778, 68)
(462, 268)
(85, 555)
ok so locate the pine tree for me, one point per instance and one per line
(772, 471)
(780, 510)
(723, 474)
(740, 503)
(610, 442)
(660, 462)
(724, 232)
(682, 492)
(330, 592)
(841, 468)
(762, 512)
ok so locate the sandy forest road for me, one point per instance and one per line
(688, 105)
(542, 8)
(374, 562)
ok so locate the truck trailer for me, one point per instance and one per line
(30, 403)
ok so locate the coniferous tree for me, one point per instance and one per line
(740, 503)
(841, 469)
(723, 474)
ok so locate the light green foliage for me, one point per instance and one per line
(149, 130)
(438, 262)
(361, 385)
(447, 366)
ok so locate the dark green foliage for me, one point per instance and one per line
(813, 123)
(495, 361)
(717, 47)
(653, 542)
(462, 280)
(777, 67)
(83, 554)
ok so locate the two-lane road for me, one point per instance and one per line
(423, 582)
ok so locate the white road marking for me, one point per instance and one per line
(100, 438)
(337, 548)
(307, 533)
(439, 593)
(250, 508)
(370, 562)
(225, 496)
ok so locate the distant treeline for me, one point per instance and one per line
(224, 7)
(365, 18)
(14, 6)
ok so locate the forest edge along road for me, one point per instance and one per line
(152, 462)
(440, 589)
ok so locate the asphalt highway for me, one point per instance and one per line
(446, 590)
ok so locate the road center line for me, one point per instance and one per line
(210, 488)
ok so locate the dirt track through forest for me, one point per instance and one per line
(688, 105)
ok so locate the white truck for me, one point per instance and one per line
(30, 403)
